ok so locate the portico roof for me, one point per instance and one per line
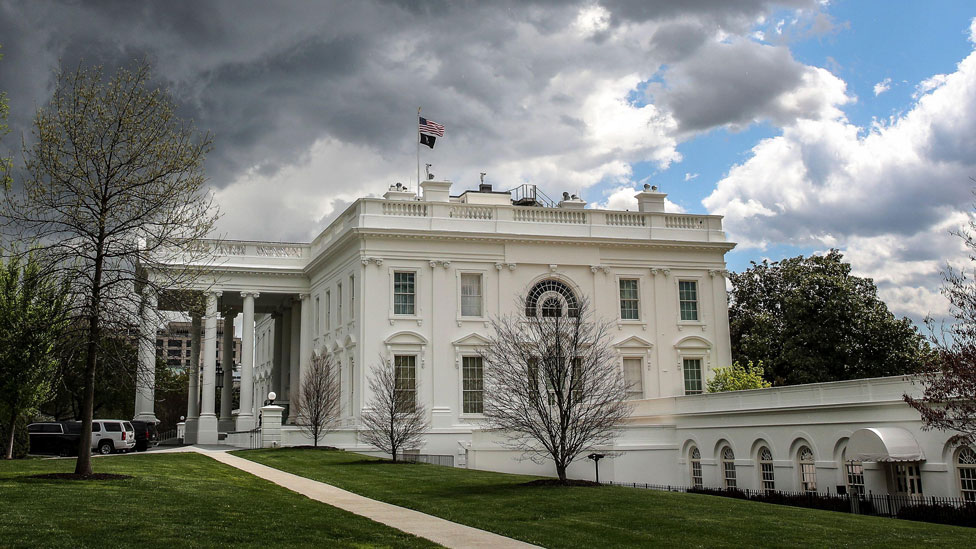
(876, 444)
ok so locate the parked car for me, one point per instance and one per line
(147, 435)
(112, 435)
(53, 438)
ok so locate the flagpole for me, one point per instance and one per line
(418, 152)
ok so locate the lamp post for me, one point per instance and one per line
(596, 463)
(220, 377)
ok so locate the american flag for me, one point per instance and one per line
(431, 127)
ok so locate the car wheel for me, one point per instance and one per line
(105, 448)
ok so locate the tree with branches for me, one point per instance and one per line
(553, 385)
(317, 403)
(394, 420)
(948, 400)
(114, 182)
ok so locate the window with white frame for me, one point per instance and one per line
(808, 469)
(855, 478)
(328, 311)
(696, 470)
(472, 385)
(404, 293)
(352, 376)
(728, 467)
(688, 299)
(405, 373)
(318, 316)
(548, 297)
(767, 476)
(352, 297)
(693, 375)
(471, 302)
(908, 478)
(966, 463)
(339, 304)
(633, 378)
(629, 299)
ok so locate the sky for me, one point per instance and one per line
(808, 124)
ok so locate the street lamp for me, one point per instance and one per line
(271, 398)
(596, 462)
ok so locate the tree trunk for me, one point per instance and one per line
(10, 439)
(315, 437)
(561, 472)
(83, 465)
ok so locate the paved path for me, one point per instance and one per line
(438, 530)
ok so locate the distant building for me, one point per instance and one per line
(173, 345)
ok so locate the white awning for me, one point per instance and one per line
(883, 444)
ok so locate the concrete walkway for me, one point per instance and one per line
(438, 530)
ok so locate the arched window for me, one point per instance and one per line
(808, 469)
(552, 298)
(966, 462)
(696, 470)
(766, 476)
(728, 467)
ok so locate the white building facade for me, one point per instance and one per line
(416, 280)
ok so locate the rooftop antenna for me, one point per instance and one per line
(427, 170)
(483, 174)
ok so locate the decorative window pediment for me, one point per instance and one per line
(633, 342)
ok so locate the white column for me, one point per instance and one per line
(226, 422)
(245, 416)
(193, 397)
(295, 353)
(146, 373)
(276, 366)
(286, 355)
(207, 426)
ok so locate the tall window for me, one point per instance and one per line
(472, 385)
(808, 469)
(633, 378)
(328, 311)
(855, 478)
(766, 475)
(339, 304)
(629, 304)
(471, 294)
(908, 478)
(404, 292)
(352, 297)
(352, 376)
(696, 470)
(966, 462)
(405, 371)
(728, 467)
(318, 317)
(693, 376)
(688, 299)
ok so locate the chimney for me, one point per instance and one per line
(650, 199)
(572, 202)
(436, 191)
(484, 188)
(399, 192)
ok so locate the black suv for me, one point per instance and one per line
(146, 434)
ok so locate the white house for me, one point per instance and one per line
(415, 280)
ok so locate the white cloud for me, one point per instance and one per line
(882, 87)
(690, 176)
(886, 195)
(972, 30)
(929, 84)
(623, 198)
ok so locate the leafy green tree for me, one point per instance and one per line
(115, 181)
(738, 378)
(808, 320)
(33, 313)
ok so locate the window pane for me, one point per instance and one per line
(471, 294)
(693, 377)
(405, 371)
(688, 299)
(629, 304)
(632, 378)
(403, 293)
(472, 387)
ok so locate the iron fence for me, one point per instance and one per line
(942, 510)
(254, 440)
(447, 461)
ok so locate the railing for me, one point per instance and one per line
(471, 212)
(531, 195)
(549, 215)
(447, 461)
(254, 440)
(412, 209)
(684, 222)
(626, 219)
(173, 437)
(942, 510)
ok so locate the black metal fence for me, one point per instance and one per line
(955, 511)
(254, 440)
(447, 461)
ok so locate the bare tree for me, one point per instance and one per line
(394, 420)
(317, 404)
(114, 182)
(553, 387)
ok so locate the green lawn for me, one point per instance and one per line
(602, 516)
(175, 500)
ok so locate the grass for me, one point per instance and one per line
(175, 500)
(605, 516)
